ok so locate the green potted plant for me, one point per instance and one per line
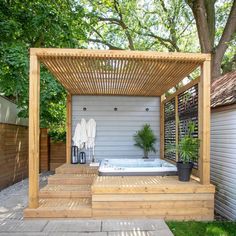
(188, 152)
(145, 139)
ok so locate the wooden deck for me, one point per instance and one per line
(67, 195)
(152, 197)
(78, 192)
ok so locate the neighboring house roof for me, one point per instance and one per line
(223, 90)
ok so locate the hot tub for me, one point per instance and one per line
(136, 167)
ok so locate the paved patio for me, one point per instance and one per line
(14, 199)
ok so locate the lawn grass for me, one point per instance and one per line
(194, 228)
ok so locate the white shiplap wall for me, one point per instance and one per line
(115, 129)
(223, 161)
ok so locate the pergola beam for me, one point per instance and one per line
(34, 130)
(123, 54)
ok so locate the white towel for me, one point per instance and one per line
(91, 132)
(84, 137)
(77, 136)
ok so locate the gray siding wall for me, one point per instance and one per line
(115, 129)
(223, 161)
(8, 113)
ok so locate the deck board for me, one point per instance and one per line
(68, 194)
(152, 197)
(147, 184)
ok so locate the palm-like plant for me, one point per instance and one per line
(188, 149)
(145, 139)
(188, 146)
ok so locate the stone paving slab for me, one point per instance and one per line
(14, 199)
(22, 226)
(73, 226)
(16, 215)
(162, 232)
(129, 233)
(23, 234)
(126, 225)
(54, 234)
(78, 234)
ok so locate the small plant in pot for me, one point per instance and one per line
(145, 139)
(188, 152)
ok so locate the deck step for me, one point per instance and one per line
(71, 179)
(61, 208)
(65, 191)
(76, 169)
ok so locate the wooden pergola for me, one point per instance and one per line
(126, 73)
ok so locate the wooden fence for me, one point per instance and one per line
(57, 154)
(14, 153)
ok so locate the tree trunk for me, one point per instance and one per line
(204, 14)
(215, 67)
(220, 49)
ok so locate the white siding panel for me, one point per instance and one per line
(115, 129)
(223, 161)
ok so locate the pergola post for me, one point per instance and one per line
(162, 127)
(204, 113)
(176, 128)
(68, 128)
(34, 130)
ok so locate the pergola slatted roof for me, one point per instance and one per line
(130, 73)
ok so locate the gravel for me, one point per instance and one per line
(15, 198)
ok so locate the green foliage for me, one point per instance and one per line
(188, 146)
(145, 139)
(194, 228)
(40, 23)
(120, 24)
(141, 25)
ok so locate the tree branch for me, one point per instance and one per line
(168, 43)
(229, 30)
(119, 22)
(111, 47)
(123, 25)
(186, 27)
(200, 15)
(110, 19)
(102, 41)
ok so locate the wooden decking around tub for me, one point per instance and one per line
(152, 197)
(76, 191)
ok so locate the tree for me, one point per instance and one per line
(167, 26)
(160, 25)
(148, 25)
(25, 24)
(205, 17)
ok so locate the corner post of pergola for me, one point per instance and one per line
(162, 127)
(68, 127)
(34, 129)
(204, 113)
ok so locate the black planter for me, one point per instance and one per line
(184, 170)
